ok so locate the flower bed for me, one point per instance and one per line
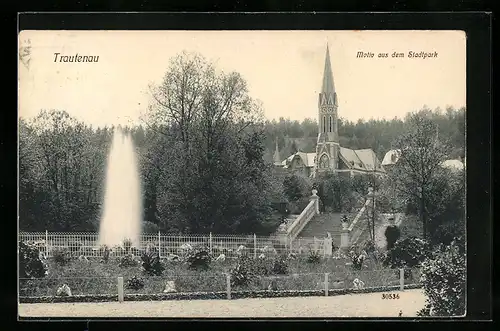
(210, 295)
(99, 279)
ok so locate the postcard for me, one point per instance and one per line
(242, 173)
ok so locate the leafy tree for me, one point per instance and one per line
(443, 279)
(418, 173)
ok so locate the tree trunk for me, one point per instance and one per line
(422, 216)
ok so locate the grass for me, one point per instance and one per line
(94, 277)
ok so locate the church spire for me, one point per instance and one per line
(277, 154)
(328, 86)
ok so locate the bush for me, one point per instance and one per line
(30, 264)
(407, 253)
(280, 265)
(135, 283)
(198, 258)
(313, 257)
(357, 258)
(105, 252)
(369, 247)
(62, 256)
(127, 261)
(392, 234)
(443, 281)
(151, 263)
(260, 267)
(242, 274)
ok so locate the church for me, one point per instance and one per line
(329, 155)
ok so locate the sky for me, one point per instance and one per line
(283, 70)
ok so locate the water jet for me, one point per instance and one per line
(122, 213)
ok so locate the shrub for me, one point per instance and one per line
(241, 274)
(127, 244)
(151, 263)
(392, 234)
(127, 261)
(280, 265)
(443, 281)
(62, 256)
(407, 253)
(369, 247)
(135, 283)
(313, 257)
(30, 264)
(105, 252)
(260, 266)
(198, 258)
(357, 259)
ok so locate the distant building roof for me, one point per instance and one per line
(391, 157)
(453, 164)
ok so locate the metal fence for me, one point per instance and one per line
(87, 244)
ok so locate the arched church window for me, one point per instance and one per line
(324, 123)
(330, 124)
(323, 161)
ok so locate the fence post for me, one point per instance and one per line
(254, 246)
(159, 244)
(47, 243)
(326, 284)
(228, 285)
(402, 279)
(120, 289)
(210, 242)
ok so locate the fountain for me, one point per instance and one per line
(122, 214)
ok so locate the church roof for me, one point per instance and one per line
(328, 85)
(307, 159)
(360, 159)
(368, 158)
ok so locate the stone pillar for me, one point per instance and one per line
(344, 236)
(328, 246)
(315, 198)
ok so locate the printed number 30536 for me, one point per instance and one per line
(390, 296)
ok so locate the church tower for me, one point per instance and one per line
(327, 147)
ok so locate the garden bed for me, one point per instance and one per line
(295, 277)
(210, 295)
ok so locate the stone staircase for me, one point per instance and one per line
(325, 223)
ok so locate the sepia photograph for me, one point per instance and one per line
(244, 174)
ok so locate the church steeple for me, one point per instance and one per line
(276, 157)
(327, 147)
(328, 86)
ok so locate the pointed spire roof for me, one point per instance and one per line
(276, 153)
(328, 85)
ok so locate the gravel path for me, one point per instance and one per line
(353, 305)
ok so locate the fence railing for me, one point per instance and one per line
(87, 244)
